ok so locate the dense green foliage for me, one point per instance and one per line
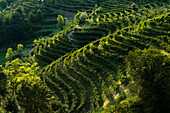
(14, 26)
(113, 58)
(3, 4)
(150, 71)
(28, 18)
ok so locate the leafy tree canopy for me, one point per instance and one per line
(150, 71)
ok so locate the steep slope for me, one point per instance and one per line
(79, 78)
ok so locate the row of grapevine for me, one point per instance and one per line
(74, 37)
(48, 50)
(117, 20)
(121, 5)
(87, 69)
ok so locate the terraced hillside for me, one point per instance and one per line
(48, 50)
(83, 68)
(100, 25)
(129, 16)
(79, 78)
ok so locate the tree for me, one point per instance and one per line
(19, 47)
(3, 4)
(14, 26)
(39, 15)
(11, 1)
(32, 95)
(60, 22)
(1, 17)
(9, 54)
(27, 87)
(80, 17)
(28, 29)
(83, 16)
(32, 17)
(17, 26)
(76, 18)
(3, 82)
(8, 100)
(19, 50)
(7, 19)
(19, 9)
(98, 10)
(134, 7)
(150, 70)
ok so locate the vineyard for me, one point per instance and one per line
(114, 58)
